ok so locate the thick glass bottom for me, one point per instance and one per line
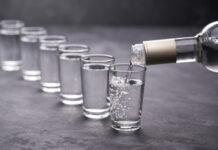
(10, 65)
(71, 99)
(30, 75)
(31, 78)
(126, 125)
(96, 113)
(50, 87)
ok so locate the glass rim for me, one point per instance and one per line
(11, 24)
(114, 69)
(68, 55)
(109, 58)
(33, 30)
(52, 39)
(80, 48)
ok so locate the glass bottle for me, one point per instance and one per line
(202, 48)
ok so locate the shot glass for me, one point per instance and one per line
(95, 74)
(69, 72)
(49, 62)
(126, 90)
(30, 52)
(10, 40)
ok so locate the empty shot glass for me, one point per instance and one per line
(30, 52)
(126, 90)
(49, 62)
(95, 74)
(70, 75)
(10, 40)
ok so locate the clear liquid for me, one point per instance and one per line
(95, 90)
(126, 102)
(10, 52)
(210, 56)
(30, 60)
(186, 52)
(185, 49)
(128, 74)
(70, 77)
(49, 71)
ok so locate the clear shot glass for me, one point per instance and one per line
(10, 40)
(69, 72)
(95, 74)
(30, 52)
(48, 61)
(126, 90)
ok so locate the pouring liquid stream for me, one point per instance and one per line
(128, 74)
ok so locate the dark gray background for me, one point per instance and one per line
(111, 12)
(180, 102)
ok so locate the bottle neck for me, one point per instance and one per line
(178, 50)
(187, 49)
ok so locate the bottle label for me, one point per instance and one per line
(160, 51)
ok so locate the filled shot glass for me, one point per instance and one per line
(49, 62)
(69, 72)
(126, 90)
(10, 40)
(30, 52)
(95, 74)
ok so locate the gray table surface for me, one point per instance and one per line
(180, 109)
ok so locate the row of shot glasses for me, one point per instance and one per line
(81, 78)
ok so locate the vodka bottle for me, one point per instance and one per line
(202, 48)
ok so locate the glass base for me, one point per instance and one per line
(126, 125)
(50, 87)
(11, 65)
(31, 78)
(50, 90)
(71, 99)
(31, 75)
(96, 113)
